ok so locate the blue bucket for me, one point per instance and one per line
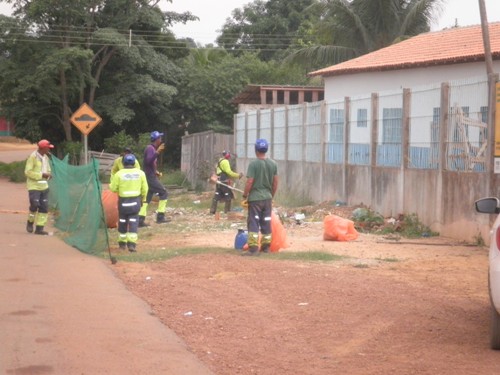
(241, 239)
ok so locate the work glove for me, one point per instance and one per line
(244, 203)
(160, 148)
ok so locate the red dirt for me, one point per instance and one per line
(389, 307)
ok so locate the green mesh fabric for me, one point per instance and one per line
(75, 196)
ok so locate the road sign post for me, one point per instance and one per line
(85, 119)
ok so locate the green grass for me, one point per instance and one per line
(157, 255)
(306, 256)
(14, 171)
(147, 254)
(389, 260)
(361, 265)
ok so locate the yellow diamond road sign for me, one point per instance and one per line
(85, 119)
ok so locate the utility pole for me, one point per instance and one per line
(490, 159)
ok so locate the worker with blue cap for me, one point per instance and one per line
(260, 188)
(150, 166)
(131, 186)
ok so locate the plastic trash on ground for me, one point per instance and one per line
(336, 228)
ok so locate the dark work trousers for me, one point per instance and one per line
(39, 201)
(223, 193)
(259, 216)
(128, 212)
(155, 187)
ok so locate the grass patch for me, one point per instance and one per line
(14, 171)
(145, 254)
(388, 260)
(291, 199)
(361, 265)
(478, 240)
(191, 202)
(157, 255)
(306, 256)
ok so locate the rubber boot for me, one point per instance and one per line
(142, 222)
(122, 245)
(29, 226)
(131, 247)
(160, 218)
(252, 251)
(227, 206)
(39, 230)
(265, 248)
(213, 208)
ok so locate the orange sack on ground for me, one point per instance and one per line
(336, 228)
(278, 239)
(110, 205)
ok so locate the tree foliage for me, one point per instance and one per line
(265, 27)
(115, 55)
(210, 74)
(347, 29)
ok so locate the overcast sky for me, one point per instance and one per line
(213, 14)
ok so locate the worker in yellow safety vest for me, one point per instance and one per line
(224, 174)
(38, 173)
(132, 187)
(118, 162)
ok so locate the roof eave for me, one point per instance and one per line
(422, 64)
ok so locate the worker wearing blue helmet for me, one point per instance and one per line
(150, 166)
(260, 187)
(132, 187)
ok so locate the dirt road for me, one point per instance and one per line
(386, 308)
(63, 312)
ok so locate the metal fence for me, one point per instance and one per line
(436, 128)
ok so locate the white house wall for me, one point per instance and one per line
(362, 83)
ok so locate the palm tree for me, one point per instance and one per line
(351, 28)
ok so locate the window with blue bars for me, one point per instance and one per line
(389, 151)
(362, 119)
(335, 146)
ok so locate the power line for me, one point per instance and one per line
(83, 29)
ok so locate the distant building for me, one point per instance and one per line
(267, 96)
(6, 127)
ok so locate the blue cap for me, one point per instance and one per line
(129, 159)
(155, 135)
(261, 145)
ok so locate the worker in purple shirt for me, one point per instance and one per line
(151, 153)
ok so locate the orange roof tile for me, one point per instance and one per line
(450, 46)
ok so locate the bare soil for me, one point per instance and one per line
(388, 306)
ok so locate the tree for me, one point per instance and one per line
(347, 29)
(213, 77)
(112, 54)
(266, 27)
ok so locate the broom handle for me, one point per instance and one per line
(230, 187)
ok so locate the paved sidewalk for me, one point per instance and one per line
(64, 312)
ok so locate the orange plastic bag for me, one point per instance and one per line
(336, 228)
(278, 239)
(110, 205)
